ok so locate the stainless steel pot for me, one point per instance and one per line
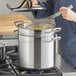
(37, 45)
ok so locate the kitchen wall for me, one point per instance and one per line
(13, 3)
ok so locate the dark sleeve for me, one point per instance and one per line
(49, 4)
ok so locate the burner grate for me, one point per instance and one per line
(5, 66)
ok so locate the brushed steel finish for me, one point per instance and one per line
(36, 48)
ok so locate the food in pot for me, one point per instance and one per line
(39, 26)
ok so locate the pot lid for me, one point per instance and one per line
(37, 26)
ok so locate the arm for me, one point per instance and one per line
(43, 13)
(68, 14)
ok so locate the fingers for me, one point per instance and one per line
(64, 12)
(68, 14)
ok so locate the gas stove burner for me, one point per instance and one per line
(54, 71)
(36, 71)
(30, 71)
(8, 66)
(5, 70)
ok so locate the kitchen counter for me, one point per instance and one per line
(7, 23)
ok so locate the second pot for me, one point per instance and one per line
(37, 45)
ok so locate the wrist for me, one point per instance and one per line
(74, 18)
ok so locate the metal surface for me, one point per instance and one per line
(50, 72)
(28, 9)
(35, 53)
(2, 52)
(4, 42)
(9, 41)
(25, 6)
(36, 47)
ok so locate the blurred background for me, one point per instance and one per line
(13, 3)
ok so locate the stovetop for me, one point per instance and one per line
(10, 67)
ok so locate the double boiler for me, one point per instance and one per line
(37, 45)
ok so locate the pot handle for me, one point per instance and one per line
(9, 7)
(54, 30)
(54, 39)
(16, 23)
(15, 32)
(57, 29)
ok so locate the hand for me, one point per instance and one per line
(68, 14)
(34, 3)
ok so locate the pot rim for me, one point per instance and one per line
(27, 26)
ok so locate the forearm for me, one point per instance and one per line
(74, 17)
